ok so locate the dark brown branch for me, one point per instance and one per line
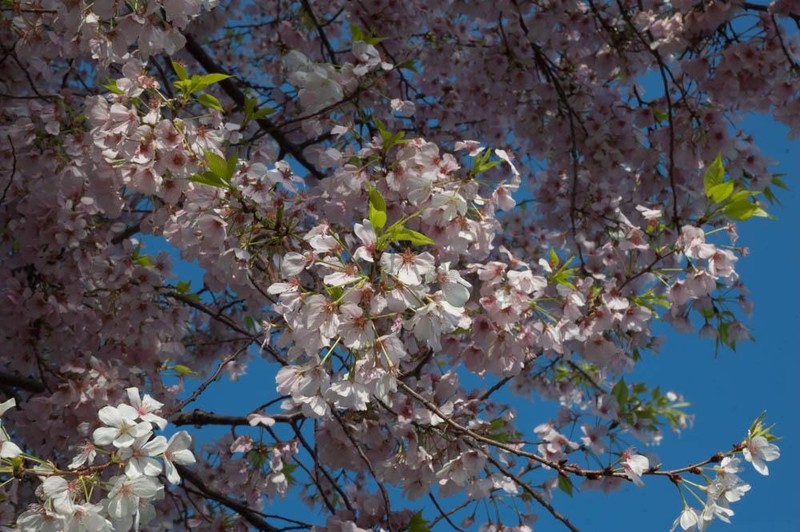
(365, 459)
(499, 384)
(128, 232)
(213, 377)
(313, 453)
(13, 170)
(533, 493)
(249, 515)
(442, 513)
(663, 70)
(202, 418)
(326, 44)
(21, 383)
(546, 66)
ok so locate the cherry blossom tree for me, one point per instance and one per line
(390, 202)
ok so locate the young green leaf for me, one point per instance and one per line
(620, 392)
(180, 71)
(209, 101)
(714, 175)
(377, 209)
(184, 371)
(201, 82)
(778, 182)
(418, 523)
(565, 484)
(720, 192)
(231, 167)
(208, 178)
(263, 113)
(744, 209)
(111, 86)
(217, 165)
(356, 32)
(553, 259)
(660, 115)
(407, 235)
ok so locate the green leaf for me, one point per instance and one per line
(720, 192)
(418, 523)
(553, 259)
(620, 392)
(184, 371)
(407, 235)
(263, 113)
(256, 458)
(249, 108)
(180, 71)
(112, 87)
(714, 174)
(144, 260)
(742, 194)
(334, 292)
(208, 178)
(660, 115)
(209, 101)
(482, 162)
(288, 470)
(183, 287)
(565, 484)
(563, 278)
(201, 82)
(377, 209)
(778, 182)
(356, 32)
(231, 167)
(744, 209)
(224, 169)
(770, 196)
(408, 64)
(251, 112)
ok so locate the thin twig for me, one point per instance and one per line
(213, 377)
(13, 169)
(231, 88)
(365, 459)
(250, 515)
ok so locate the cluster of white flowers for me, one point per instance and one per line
(727, 487)
(128, 501)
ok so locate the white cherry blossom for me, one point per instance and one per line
(759, 451)
(177, 452)
(122, 428)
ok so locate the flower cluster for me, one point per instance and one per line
(87, 498)
(727, 487)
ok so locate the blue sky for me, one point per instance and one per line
(726, 393)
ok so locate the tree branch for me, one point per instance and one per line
(202, 418)
(22, 383)
(250, 515)
(231, 88)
